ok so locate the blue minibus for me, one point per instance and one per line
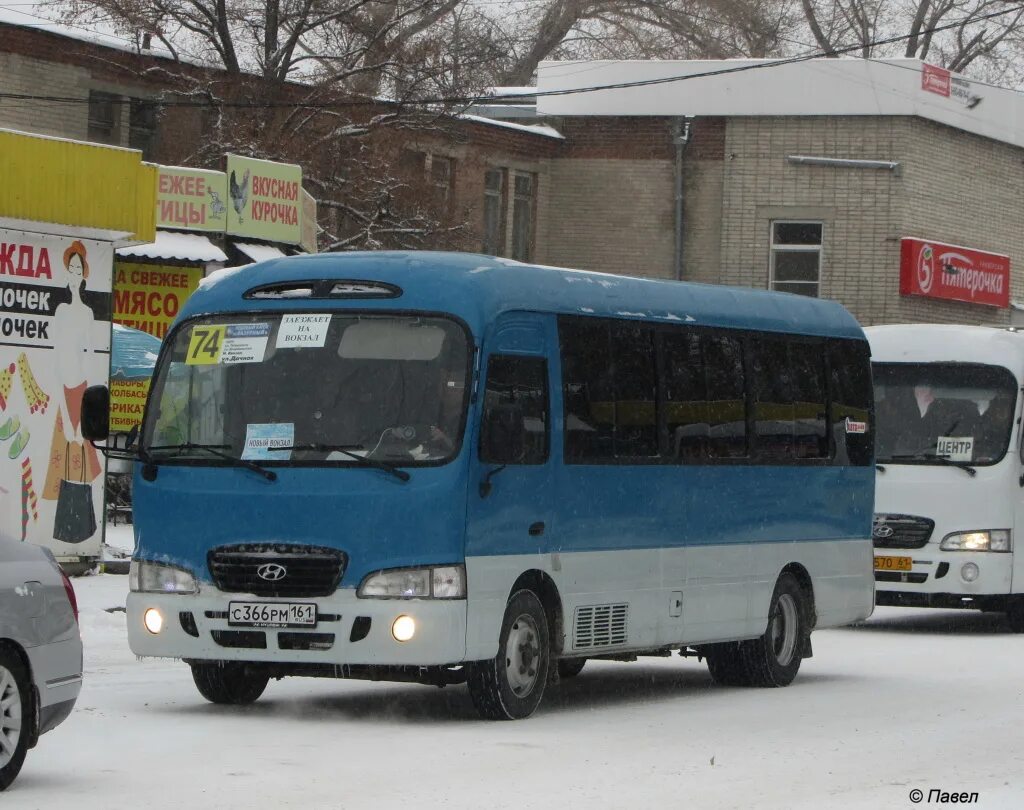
(449, 468)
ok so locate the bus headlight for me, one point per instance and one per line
(987, 540)
(151, 577)
(435, 582)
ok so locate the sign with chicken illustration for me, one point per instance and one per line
(191, 199)
(264, 200)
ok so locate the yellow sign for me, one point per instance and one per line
(193, 199)
(76, 184)
(127, 402)
(149, 297)
(264, 200)
(205, 346)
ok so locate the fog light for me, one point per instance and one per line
(404, 628)
(153, 620)
(969, 572)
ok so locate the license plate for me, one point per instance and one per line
(272, 614)
(893, 563)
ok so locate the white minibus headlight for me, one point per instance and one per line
(151, 577)
(441, 582)
(986, 540)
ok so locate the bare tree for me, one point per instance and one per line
(969, 43)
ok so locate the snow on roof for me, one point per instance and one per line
(766, 87)
(507, 92)
(260, 253)
(184, 246)
(535, 129)
(96, 33)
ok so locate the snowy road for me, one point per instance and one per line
(912, 699)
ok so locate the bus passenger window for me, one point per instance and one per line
(851, 395)
(773, 400)
(517, 389)
(810, 437)
(587, 390)
(727, 406)
(686, 399)
(636, 426)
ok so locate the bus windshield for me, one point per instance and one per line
(310, 389)
(936, 413)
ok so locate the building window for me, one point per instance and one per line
(796, 257)
(103, 115)
(495, 212)
(522, 216)
(442, 177)
(142, 118)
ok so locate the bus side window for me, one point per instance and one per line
(686, 398)
(773, 399)
(515, 403)
(851, 402)
(727, 403)
(810, 395)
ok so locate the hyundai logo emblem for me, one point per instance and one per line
(272, 572)
(881, 531)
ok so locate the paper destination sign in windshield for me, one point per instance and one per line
(297, 331)
(228, 344)
(955, 448)
(262, 441)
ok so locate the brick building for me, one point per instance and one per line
(814, 177)
(809, 177)
(480, 178)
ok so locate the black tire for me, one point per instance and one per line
(511, 685)
(228, 682)
(16, 715)
(570, 667)
(725, 663)
(774, 658)
(1015, 615)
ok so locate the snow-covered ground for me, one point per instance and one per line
(911, 699)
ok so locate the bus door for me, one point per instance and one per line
(510, 500)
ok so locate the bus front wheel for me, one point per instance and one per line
(510, 685)
(228, 682)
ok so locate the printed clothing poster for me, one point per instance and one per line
(55, 310)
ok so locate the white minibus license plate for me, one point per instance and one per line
(272, 614)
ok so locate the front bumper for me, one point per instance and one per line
(935, 573)
(349, 630)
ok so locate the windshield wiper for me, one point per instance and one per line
(944, 459)
(346, 449)
(217, 450)
(941, 459)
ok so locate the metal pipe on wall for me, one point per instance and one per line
(680, 138)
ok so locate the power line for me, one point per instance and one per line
(477, 99)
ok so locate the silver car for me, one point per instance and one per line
(40, 651)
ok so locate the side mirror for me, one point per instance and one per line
(96, 413)
(502, 439)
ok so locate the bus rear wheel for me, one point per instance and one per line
(228, 682)
(774, 658)
(510, 685)
(1015, 615)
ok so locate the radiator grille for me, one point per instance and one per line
(308, 570)
(901, 531)
(601, 626)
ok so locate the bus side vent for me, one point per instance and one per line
(600, 626)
